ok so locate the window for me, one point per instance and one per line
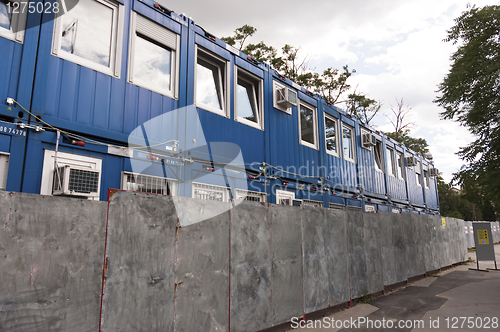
(78, 165)
(12, 20)
(247, 195)
(310, 202)
(400, 166)
(308, 122)
(335, 206)
(91, 35)
(378, 156)
(211, 193)
(4, 169)
(210, 82)
(153, 58)
(418, 173)
(348, 142)
(248, 99)
(148, 184)
(427, 179)
(331, 135)
(390, 161)
(284, 197)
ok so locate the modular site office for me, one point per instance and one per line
(127, 94)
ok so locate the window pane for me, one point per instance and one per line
(87, 31)
(208, 85)
(400, 166)
(4, 16)
(390, 161)
(152, 64)
(307, 124)
(347, 142)
(378, 156)
(331, 135)
(247, 107)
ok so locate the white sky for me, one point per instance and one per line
(395, 46)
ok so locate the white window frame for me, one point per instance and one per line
(19, 21)
(390, 159)
(300, 104)
(115, 56)
(242, 195)
(284, 194)
(258, 85)
(166, 39)
(427, 180)
(380, 148)
(353, 142)
(4, 169)
(64, 159)
(226, 192)
(312, 202)
(171, 182)
(277, 86)
(224, 81)
(418, 173)
(337, 146)
(400, 164)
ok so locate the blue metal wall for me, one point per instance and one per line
(107, 108)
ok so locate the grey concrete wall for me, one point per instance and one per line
(52, 252)
(139, 291)
(246, 268)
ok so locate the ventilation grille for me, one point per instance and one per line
(335, 206)
(210, 193)
(70, 180)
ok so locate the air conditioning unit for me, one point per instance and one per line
(368, 140)
(286, 97)
(434, 172)
(76, 181)
(411, 161)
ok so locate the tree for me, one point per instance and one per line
(331, 84)
(470, 93)
(402, 127)
(362, 107)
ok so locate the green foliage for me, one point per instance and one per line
(416, 144)
(240, 35)
(362, 107)
(470, 94)
(471, 203)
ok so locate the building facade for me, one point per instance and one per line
(127, 94)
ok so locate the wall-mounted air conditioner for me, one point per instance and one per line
(434, 172)
(368, 140)
(76, 181)
(411, 161)
(286, 97)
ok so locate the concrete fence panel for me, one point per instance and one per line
(357, 255)
(336, 255)
(250, 267)
(140, 278)
(52, 252)
(373, 253)
(315, 263)
(202, 267)
(286, 274)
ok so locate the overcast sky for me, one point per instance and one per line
(395, 46)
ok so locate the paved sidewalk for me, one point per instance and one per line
(435, 303)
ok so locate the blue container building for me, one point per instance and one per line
(136, 97)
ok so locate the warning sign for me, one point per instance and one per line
(482, 235)
(443, 221)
